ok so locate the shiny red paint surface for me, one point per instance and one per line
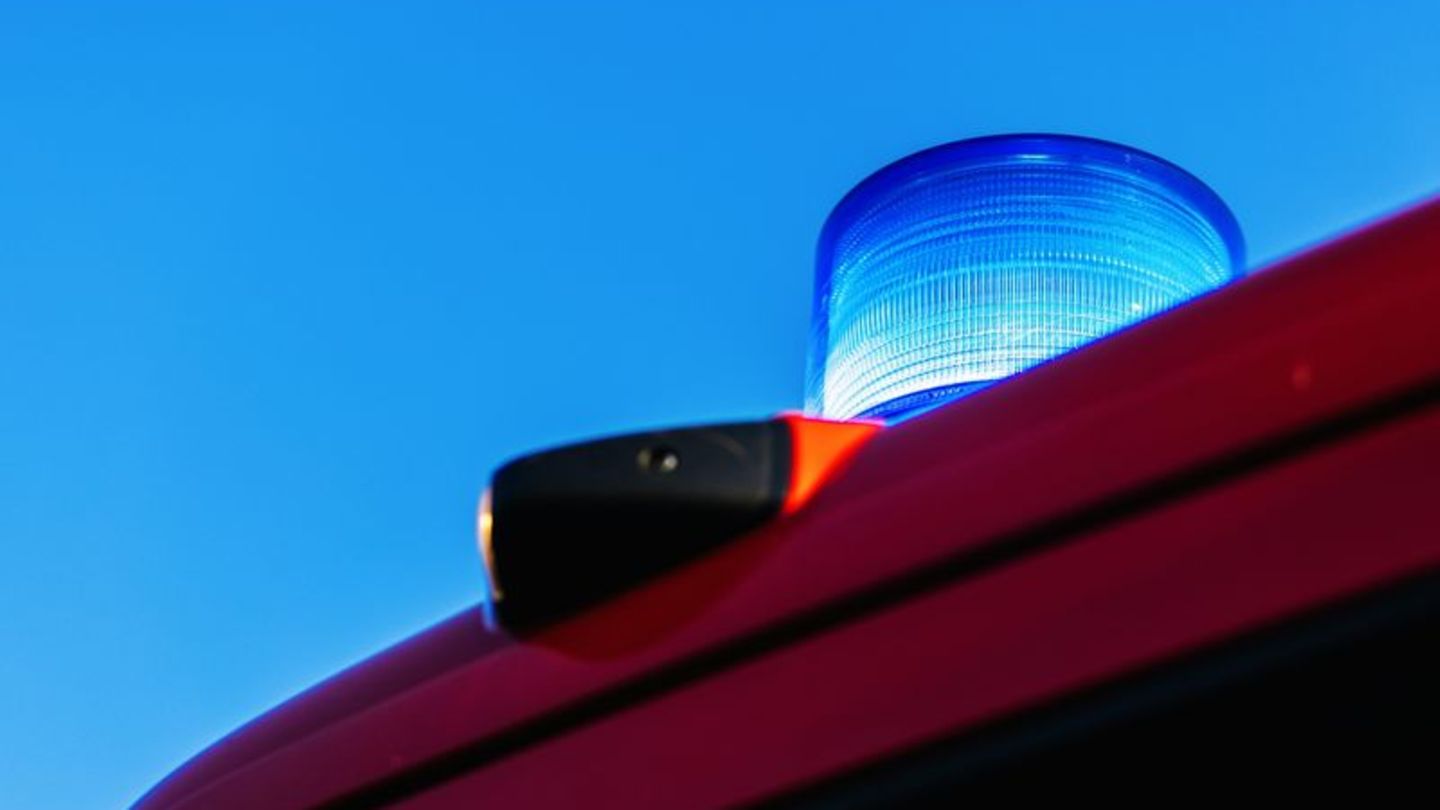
(1268, 546)
(1321, 336)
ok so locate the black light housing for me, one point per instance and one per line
(562, 529)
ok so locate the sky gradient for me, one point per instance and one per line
(282, 284)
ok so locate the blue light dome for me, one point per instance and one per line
(966, 263)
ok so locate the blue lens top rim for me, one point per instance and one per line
(1037, 146)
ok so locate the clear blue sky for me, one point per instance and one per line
(282, 284)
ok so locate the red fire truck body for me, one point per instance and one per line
(1203, 548)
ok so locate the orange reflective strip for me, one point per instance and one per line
(820, 448)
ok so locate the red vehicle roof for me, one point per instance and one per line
(1258, 453)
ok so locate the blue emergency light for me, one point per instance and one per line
(963, 264)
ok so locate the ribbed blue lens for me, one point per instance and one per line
(963, 264)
